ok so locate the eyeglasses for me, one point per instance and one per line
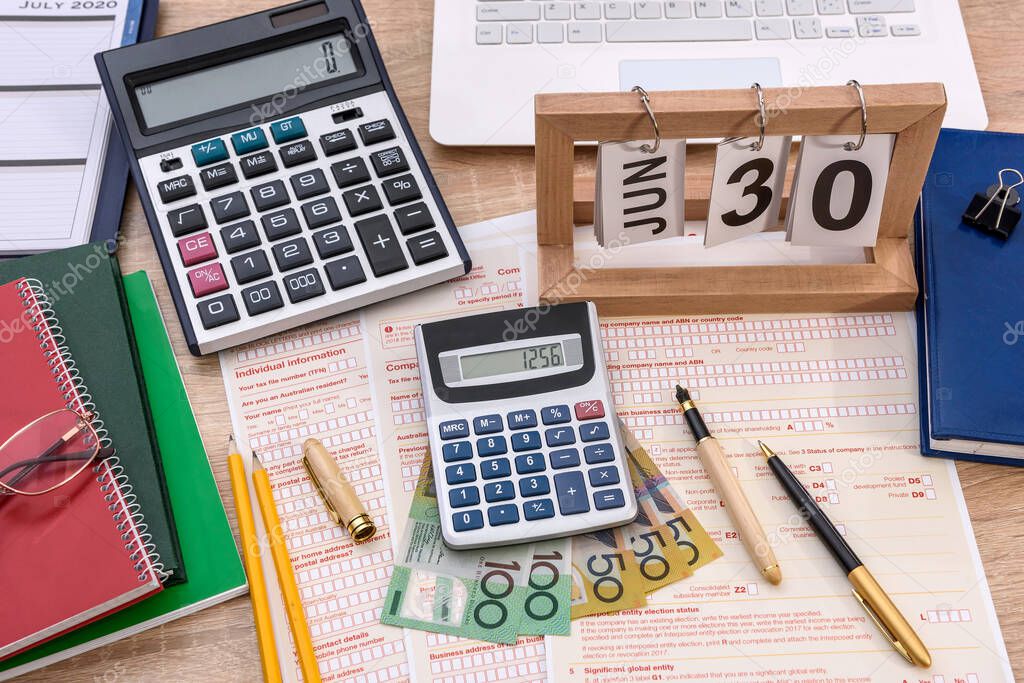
(49, 452)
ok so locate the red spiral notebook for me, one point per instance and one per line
(80, 552)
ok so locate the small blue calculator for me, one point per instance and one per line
(280, 178)
(522, 428)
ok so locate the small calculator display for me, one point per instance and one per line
(279, 176)
(522, 428)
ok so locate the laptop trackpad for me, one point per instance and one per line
(699, 74)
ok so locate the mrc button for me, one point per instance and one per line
(173, 189)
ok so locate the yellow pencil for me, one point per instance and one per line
(253, 566)
(285, 573)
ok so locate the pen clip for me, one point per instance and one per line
(896, 644)
(320, 489)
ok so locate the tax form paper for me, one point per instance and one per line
(57, 121)
(835, 395)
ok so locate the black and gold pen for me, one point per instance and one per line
(869, 594)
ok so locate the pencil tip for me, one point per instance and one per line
(256, 462)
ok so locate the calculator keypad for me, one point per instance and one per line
(335, 190)
(506, 468)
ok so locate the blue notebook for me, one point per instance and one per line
(971, 312)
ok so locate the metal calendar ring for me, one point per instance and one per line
(856, 146)
(762, 121)
(645, 99)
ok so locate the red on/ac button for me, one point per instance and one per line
(589, 410)
(197, 249)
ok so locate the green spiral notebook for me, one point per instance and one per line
(215, 571)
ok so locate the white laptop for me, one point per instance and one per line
(492, 56)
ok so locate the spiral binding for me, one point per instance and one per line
(117, 489)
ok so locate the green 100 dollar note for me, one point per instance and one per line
(548, 588)
(470, 593)
(664, 506)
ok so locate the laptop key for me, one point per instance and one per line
(675, 31)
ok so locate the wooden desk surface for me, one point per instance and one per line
(219, 644)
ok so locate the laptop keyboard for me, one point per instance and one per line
(523, 22)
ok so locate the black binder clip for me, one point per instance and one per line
(997, 211)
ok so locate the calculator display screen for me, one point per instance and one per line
(508, 361)
(277, 72)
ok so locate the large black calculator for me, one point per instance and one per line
(280, 177)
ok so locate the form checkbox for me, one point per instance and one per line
(833, 498)
(929, 494)
(826, 467)
(751, 589)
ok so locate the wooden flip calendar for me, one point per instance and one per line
(886, 281)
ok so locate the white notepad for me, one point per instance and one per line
(50, 97)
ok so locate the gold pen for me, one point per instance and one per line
(869, 594)
(343, 505)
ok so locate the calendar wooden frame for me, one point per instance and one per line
(887, 281)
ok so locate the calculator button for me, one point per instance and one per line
(603, 476)
(522, 419)
(538, 509)
(300, 152)
(249, 140)
(176, 188)
(197, 249)
(460, 474)
(381, 245)
(500, 515)
(350, 172)
(258, 164)
(304, 286)
(288, 130)
(281, 224)
(559, 436)
(454, 429)
(218, 176)
(362, 200)
(389, 162)
(347, 115)
(468, 521)
(498, 491)
(332, 242)
(321, 212)
(595, 455)
(413, 218)
(171, 164)
(186, 220)
(491, 445)
(269, 196)
(457, 451)
(209, 152)
(262, 298)
(309, 184)
(251, 267)
(571, 493)
(595, 431)
(426, 248)
(589, 410)
(568, 457)
(534, 486)
(463, 497)
(376, 131)
(229, 207)
(292, 254)
(487, 424)
(525, 441)
(553, 415)
(495, 469)
(239, 237)
(401, 190)
(609, 500)
(216, 312)
(207, 280)
(529, 464)
(344, 272)
(337, 142)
